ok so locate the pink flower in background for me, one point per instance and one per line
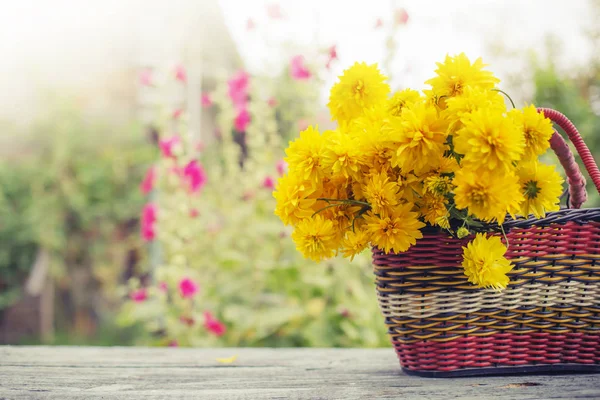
(195, 176)
(269, 183)
(177, 113)
(242, 120)
(146, 77)
(163, 287)
(281, 167)
(188, 288)
(401, 16)
(248, 195)
(345, 313)
(139, 295)
(173, 343)
(332, 56)
(213, 325)
(148, 221)
(303, 125)
(167, 146)
(189, 321)
(200, 146)
(148, 183)
(194, 213)
(238, 88)
(180, 73)
(378, 23)
(298, 70)
(206, 100)
(274, 11)
(272, 102)
(250, 25)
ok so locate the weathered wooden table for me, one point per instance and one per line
(175, 373)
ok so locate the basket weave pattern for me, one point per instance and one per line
(549, 314)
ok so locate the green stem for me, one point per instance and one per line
(505, 237)
(506, 94)
(346, 201)
(326, 207)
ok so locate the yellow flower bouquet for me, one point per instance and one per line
(439, 183)
(449, 157)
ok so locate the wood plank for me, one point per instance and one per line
(174, 373)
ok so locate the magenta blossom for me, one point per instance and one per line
(303, 125)
(269, 183)
(242, 120)
(163, 287)
(146, 77)
(195, 176)
(401, 16)
(173, 343)
(213, 325)
(206, 100)
(148, 183)
(272, 102)
(189, 321)
(298, 70)
(238, 88)
(139, 295)
(148, 222)
(378, 23)
(168, 145)
(281, 167)
(177, 113)
(194, 213)
(332, 53)
(188, 288)
(180, 73)
(274, 11)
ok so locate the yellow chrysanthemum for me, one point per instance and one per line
(402, 99)
(381, 193)
(343, 156)
(373, 139)
(485, 264)
(421, 138)
(536, 128)
(432, 208)
(541, 186)
(462, 232)
(487, 195)
(316, 238)
(448, 165)
(341, 216)
(394, 232)
(489, 140)
(412, 187)
(473, 99)
(305, 156)
(354, 243)
(457, 73)
(443, 222)
(293, 204)
(438, 185)
(361, 87)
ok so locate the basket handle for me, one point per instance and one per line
(575, 179)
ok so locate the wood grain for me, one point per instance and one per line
(176, 373)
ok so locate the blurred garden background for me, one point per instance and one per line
(141, 141)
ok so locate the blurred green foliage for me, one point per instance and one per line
(69, 186)
(251, 276)
(577, 95)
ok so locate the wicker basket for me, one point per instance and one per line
(547, 319)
